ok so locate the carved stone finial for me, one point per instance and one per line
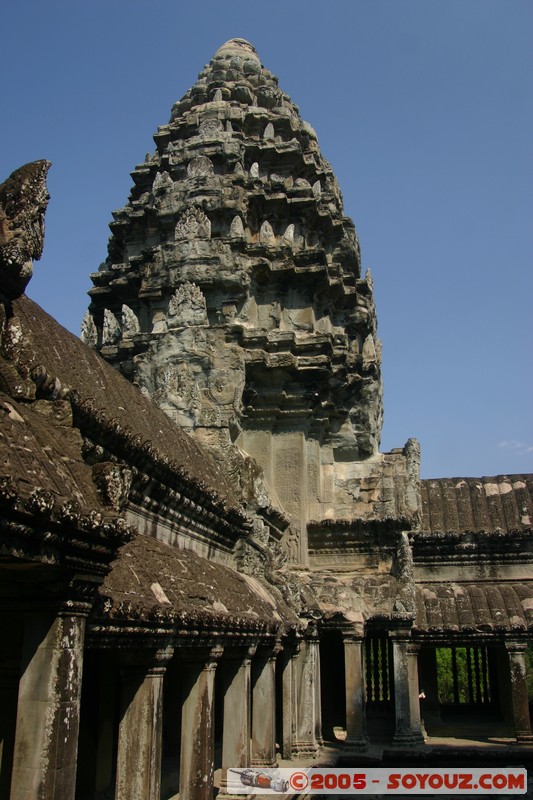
(89, 332)
(266, 234)
(269, 132)
(111, 330)
(369, 348)
(236, 230)
(162, 182)
(23, 200)
(130, 323)
(288, 236)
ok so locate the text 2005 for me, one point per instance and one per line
(331, 780)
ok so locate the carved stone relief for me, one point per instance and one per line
(187, 306)
(193, 224)
(200, 167)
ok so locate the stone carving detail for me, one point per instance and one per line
(254, 170)
(221, 388)
(379, 351)
(269, 132)
(266, 234)
(236, 230)
(187, 307)
(89, 332)
(162, 182)
(369, 350)
(23, 200)
(211, 128)
(193, 224)
(288, 236)
(317, 189)
(113, 482)
(174, 387)
(111, 330)
(200, 167)
(130, 323)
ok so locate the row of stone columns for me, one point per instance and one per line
(47, 715)
(248, 685)
(406, 693)
(408, 723)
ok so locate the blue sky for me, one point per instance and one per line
(424, 109)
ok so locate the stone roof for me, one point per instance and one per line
(478, 505)
(40, 448)
(65, 366)
(474, 607)
(152, 581)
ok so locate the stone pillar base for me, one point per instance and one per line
(305, 750)
(224, 794)
(263, 762)
(355, 745)
(526, 739)
(407, 740)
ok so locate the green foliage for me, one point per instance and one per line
(469, 664)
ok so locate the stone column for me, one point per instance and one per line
(408, 731)
(318, 695)
(286, 663)
(140, 729)
(307, 697)
(356, 738)
(198, 726)
(46, 736)
(516, 651)
(264, 707)
(237, 712)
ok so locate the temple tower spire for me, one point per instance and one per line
(232, 291)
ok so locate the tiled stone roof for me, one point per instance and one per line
(501, 504)
(471, 607)
(155, 582)
(39, 447)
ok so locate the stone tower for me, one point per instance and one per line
(232, 295)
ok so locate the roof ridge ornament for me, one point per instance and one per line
(23, 201)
